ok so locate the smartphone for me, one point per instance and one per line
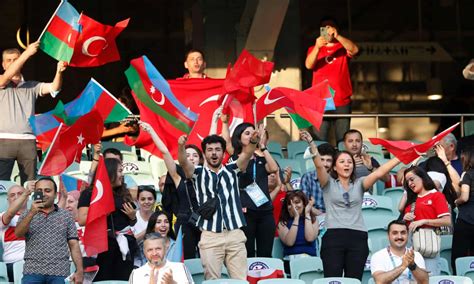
(38, 195)
(324, 33)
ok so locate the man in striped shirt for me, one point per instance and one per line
(221, 239)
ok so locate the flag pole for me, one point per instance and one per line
(51, 19)
(40, 171)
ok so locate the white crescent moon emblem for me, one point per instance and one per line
(162, 100)
(89, 41)
(100, 192)
(210, 99)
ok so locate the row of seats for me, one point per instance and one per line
(309, 269)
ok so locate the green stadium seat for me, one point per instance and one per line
(296, 149)
(465, 266)
(449, 279)
(336, 280)
(307, 269)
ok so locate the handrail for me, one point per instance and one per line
(376, 116)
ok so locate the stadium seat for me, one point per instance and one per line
(275, 149)
(468, 127)
(367, 274)
(294, 164)
(307, 269)
(194, 266)
(129, 156)
(5, 185)
(225, 281)
(371, 281)
(445, 269)
(377, 209)
(449, 279)
(309, 165)
(395, 193)
(281, 281)
(446, 243)
(465, 266)
(274, 263)
(3, 201)
(296, 149)
(111, 282)
(277, 250)
(336, 280)
(3, 272)
(377, 237)
(18, 271)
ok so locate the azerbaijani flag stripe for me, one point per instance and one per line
(140, 83)
(71, 183)
(60, 34)
(69, 14)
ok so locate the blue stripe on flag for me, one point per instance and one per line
(42, 123)
(161, 84)
(85, 102)
(69, 182)
(177, 253)
(69, 15)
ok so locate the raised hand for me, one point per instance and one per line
(129, 211)
(320, 42)
(62, 66)
(182, 140)
(305, 136)
(32, 49)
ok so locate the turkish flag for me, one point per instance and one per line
(200, 96)
(407, 151)
(308, 103)
(96, 44)
(69, 141)
(102, 204)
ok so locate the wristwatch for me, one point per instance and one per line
(263, 149)
(412, 266)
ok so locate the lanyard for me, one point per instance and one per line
(395, 266)
(254, 169)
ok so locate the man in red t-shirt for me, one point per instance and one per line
(329, 59)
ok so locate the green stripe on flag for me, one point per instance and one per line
(116, 114)
(137, 86)
(55, 47)
(299, 121)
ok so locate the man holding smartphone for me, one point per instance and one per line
(329, 60)
(50, 233)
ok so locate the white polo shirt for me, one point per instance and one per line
(380, 261)
(143, 273)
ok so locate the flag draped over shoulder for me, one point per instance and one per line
(94, 96)
(67, 144)
(407, 151)
(60, 34)
(102, 204)
(96, 44)
(177, 254)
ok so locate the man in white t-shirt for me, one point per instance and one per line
(158, 269)
(13, 247)
(396, 263)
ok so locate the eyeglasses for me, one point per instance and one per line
(345, 195)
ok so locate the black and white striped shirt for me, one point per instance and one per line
(224, 184)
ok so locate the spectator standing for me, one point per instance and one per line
(195, 64)
(178, 192)
(17, 104)
(222, 240)
(464, 227)
(329, 60)
(50, 233)
(254, 194)
(117, 262)
(431, 208)
(397, 263)
(344, 247)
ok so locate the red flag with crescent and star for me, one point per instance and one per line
(407, 151)
(69, 142)
(102, 204)
(96, 44)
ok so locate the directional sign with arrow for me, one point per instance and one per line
(402, 52)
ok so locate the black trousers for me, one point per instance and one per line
(344, 253)
(260, 230)
(112, 266)
(191, 237)
(463, 240)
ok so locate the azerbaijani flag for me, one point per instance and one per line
(94, 96)
(60, 34)
(71, 183)
(152, 90)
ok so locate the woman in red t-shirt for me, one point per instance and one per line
(431, 208)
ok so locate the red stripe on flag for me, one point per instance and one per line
(63, 31)
(105, 104)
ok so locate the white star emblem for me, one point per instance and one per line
(80, 139)
(152, 89)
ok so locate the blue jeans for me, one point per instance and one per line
(42, 279)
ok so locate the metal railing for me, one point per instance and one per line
(377, 116)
